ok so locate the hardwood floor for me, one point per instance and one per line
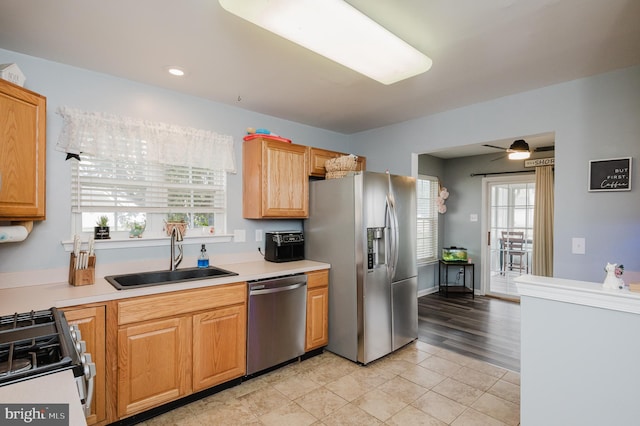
(483, 328)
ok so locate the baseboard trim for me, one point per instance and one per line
(427, 291)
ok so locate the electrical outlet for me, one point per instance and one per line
(258, 235)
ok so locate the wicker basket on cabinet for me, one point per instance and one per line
(340, 166)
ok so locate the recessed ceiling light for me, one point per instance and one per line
(178, 72)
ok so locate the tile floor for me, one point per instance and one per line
(418, 385)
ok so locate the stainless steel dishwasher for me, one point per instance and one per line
(276, 321)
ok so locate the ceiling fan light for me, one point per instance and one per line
(519, 155)
(519, 150)
(337, 31)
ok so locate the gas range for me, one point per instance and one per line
(37, 343)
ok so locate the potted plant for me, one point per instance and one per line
(136, 229)
(101, 231)
(175, 220)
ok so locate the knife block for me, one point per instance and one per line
(78, 277)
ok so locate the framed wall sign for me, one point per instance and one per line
(540, 162)
(610, 175)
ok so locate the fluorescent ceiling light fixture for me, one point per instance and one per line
(519, 150)
(338, 31)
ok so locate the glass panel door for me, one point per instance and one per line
(510, 233)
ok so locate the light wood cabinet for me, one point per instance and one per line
(219, 346)
(91, 322)
(318, 156)
(275, 179)
(174, 344)
(317, 330)
(152, 364)
(22, 153)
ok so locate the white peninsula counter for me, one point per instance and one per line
(580, 356)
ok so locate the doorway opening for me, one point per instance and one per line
(508, 223)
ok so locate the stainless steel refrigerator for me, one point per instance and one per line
(365, 226)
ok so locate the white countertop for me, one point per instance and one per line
(578, 292)
(26, 297)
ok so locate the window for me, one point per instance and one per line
(427, 189)
(146, 193)
(144, 173)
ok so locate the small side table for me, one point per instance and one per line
(463, 275)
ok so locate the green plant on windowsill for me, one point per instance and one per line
(101, 230)
(175, 220)
(136, 229)
(103, 221)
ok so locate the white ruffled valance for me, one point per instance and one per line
(115, 137)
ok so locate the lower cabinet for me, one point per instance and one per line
(174, 344)
(152, 367)
(317, 334)
(213, 330)
(91, 322)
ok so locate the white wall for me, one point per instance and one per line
(86, 90)
(593, 118)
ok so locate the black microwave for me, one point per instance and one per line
(284, 246)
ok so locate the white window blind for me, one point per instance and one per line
(106, 185)
(427, 233)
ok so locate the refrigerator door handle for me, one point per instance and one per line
(393, 238)
(393, 219)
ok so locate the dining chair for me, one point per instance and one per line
(513, 246)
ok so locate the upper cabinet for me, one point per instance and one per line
(275, 179)
(22, 153)
(317, 158)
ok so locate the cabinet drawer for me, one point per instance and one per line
(318, 279)
(177, 303)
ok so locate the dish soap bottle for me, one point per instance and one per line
(203, 259)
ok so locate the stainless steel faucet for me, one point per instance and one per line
(176, 236)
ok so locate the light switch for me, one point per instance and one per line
(578, 245)
(473, 217)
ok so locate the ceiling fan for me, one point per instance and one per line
(519, 149)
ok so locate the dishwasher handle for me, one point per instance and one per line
(270, 290)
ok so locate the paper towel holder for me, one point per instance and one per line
(16, 231)
(26, 223)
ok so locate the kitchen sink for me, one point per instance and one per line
(146, 279)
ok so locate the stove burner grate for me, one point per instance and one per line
(35, 343)
(18, 366)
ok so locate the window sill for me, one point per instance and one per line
(149, 242)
